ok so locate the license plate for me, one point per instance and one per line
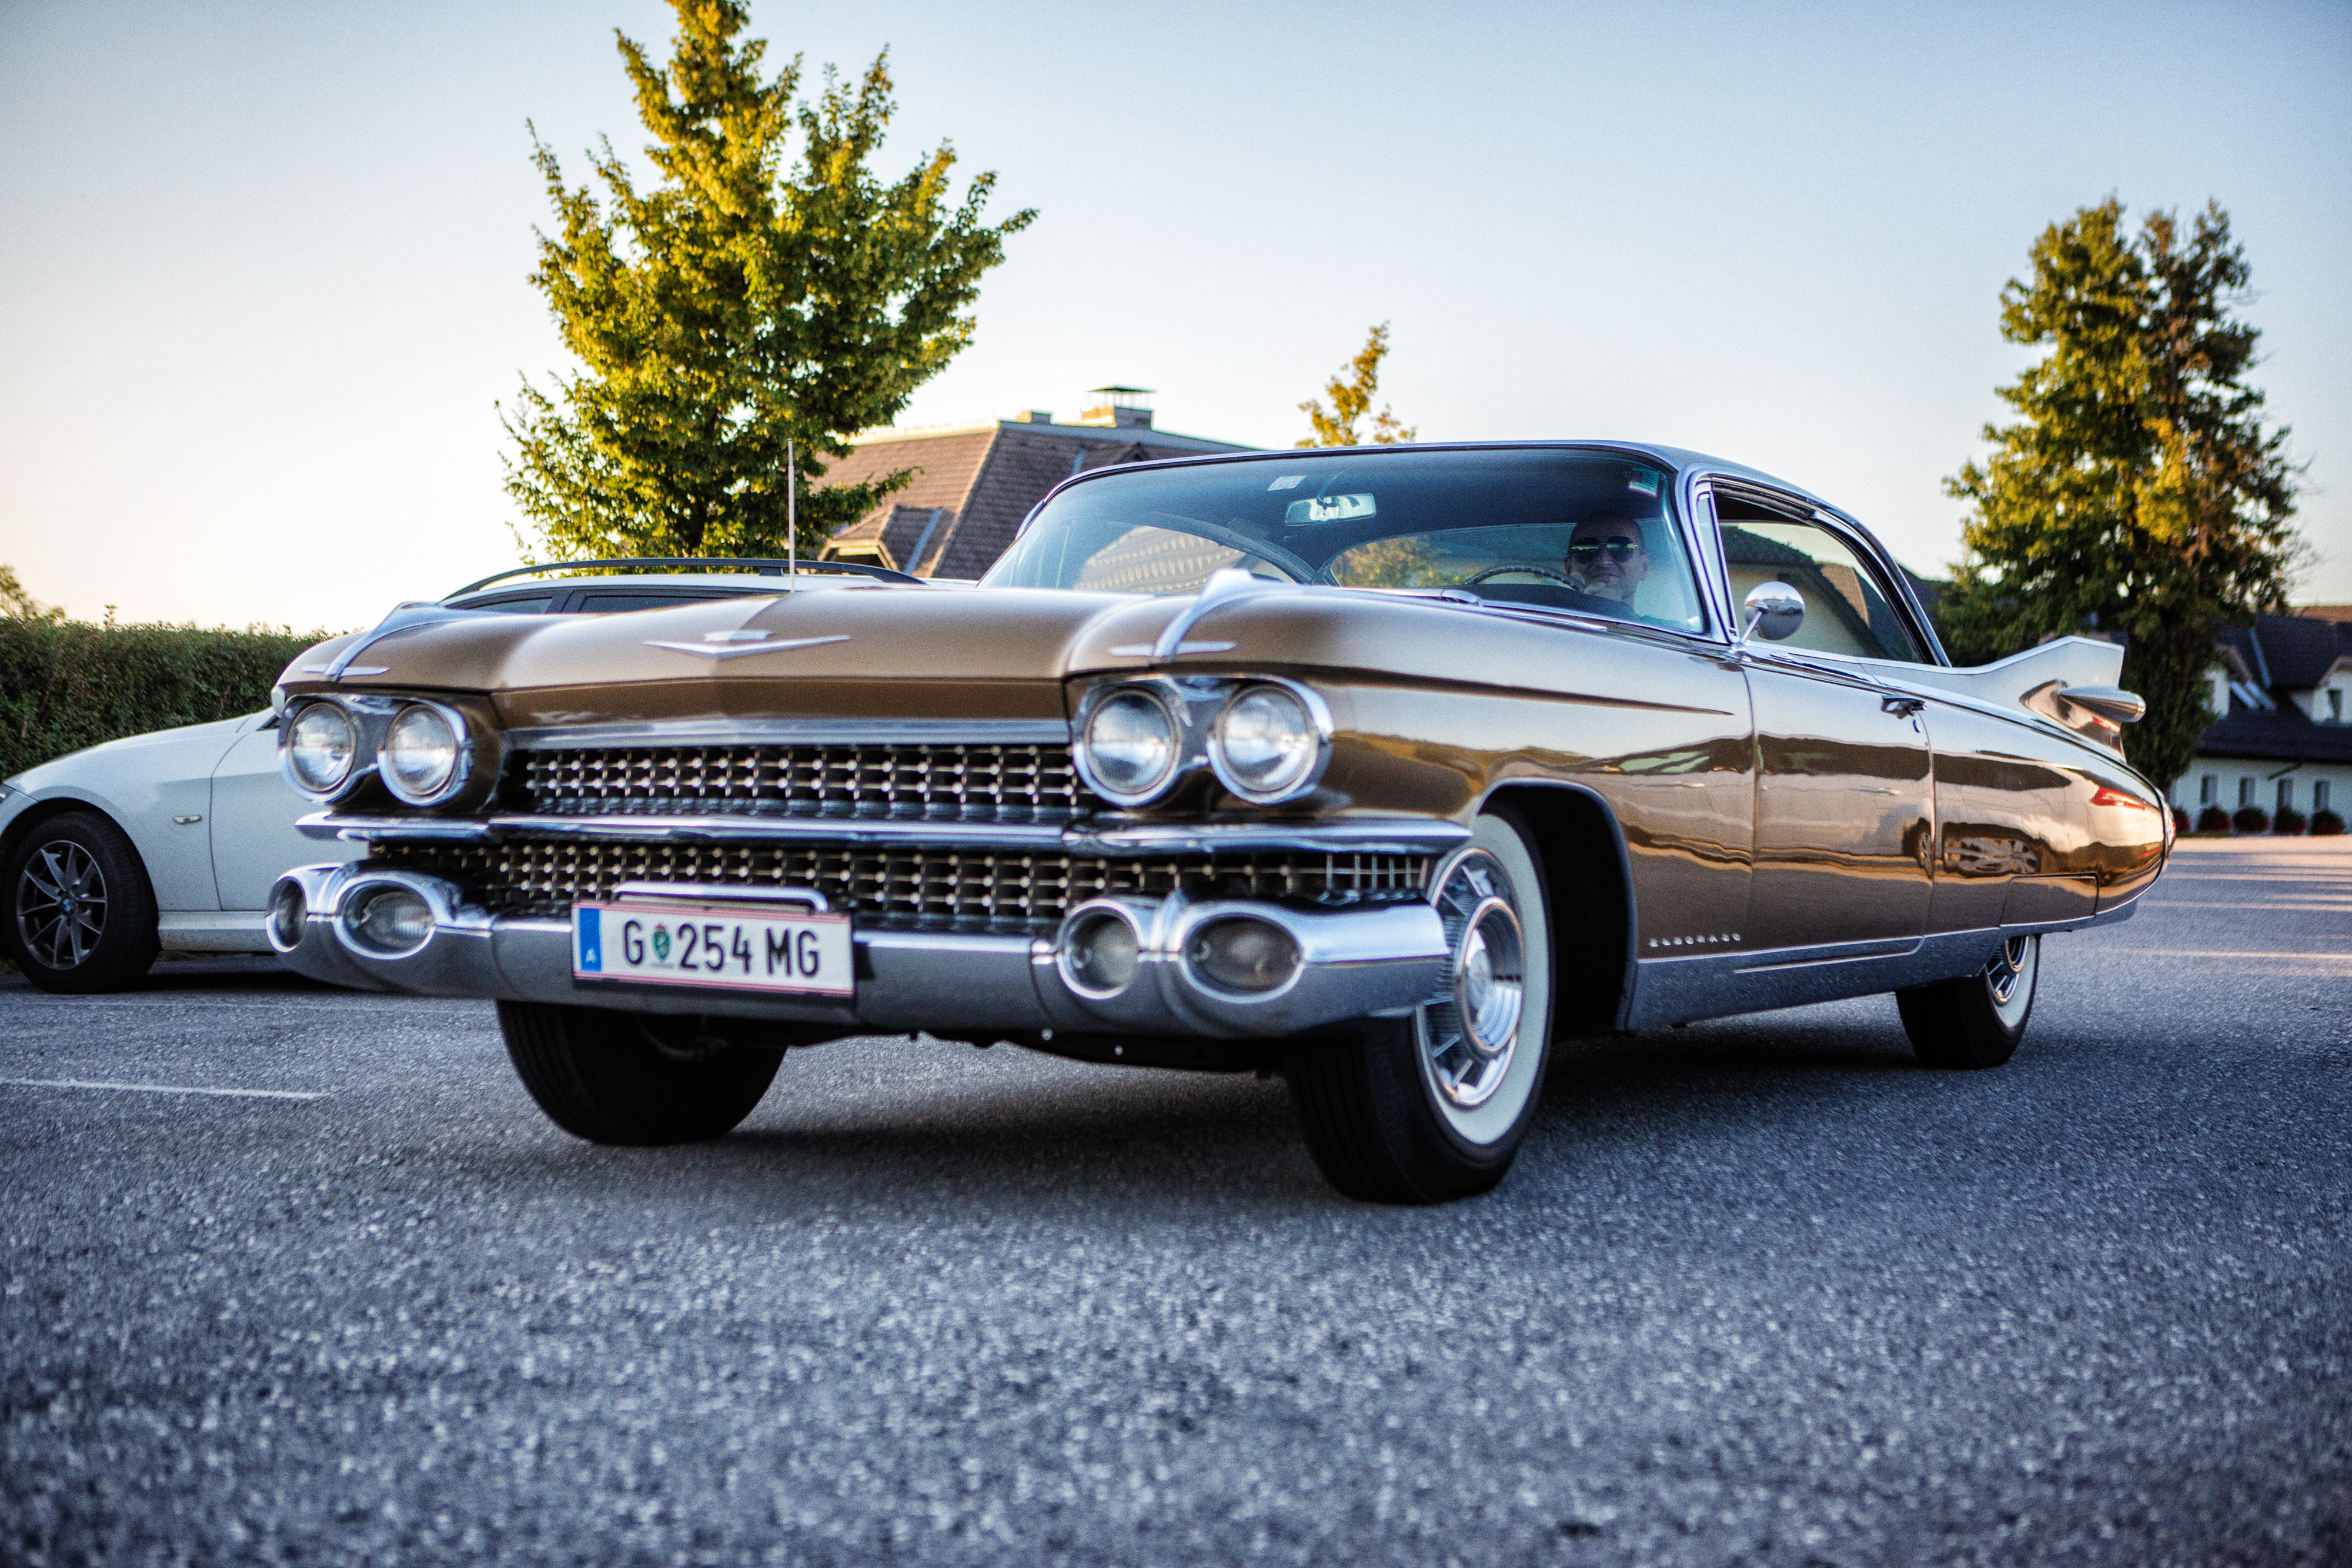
(714, 947)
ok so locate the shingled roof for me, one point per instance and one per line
(2278, 657)
(973, 484)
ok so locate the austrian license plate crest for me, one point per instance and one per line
(714, 946)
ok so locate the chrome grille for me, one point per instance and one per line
(926, 783)
(1007, 892)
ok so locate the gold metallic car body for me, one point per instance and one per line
(1727, 825)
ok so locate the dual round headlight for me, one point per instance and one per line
(320, 746)
(1266, 744)
(422, 751)
(421, 754)
(1132, 746)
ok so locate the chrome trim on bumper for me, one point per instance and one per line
(1381, 958)
(1411, 836)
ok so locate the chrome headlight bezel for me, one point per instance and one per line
(359, 764)
(480, 745)
(461, 742)
(1319, 731)
(1082, 749)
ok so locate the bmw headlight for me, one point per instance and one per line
(1129, 746)
(422, 754)
(1267, 745)
(320, 745)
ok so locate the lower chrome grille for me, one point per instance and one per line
(1003, 892)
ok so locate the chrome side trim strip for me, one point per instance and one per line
(1712, 985)
(1835, 953)
(797, 732)
(1413, 836)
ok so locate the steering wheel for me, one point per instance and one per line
(1543, 571)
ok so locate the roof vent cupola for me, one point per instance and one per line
(1122, 408)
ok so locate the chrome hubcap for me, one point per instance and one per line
(2010, 978)
(61, 904)
(1471, 1030)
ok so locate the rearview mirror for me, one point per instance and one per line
(1775, 611)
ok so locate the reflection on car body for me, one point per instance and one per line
(1382, 769)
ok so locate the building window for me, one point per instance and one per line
(2336, 704)
(2286, 794)
(2246, 793)
(2208, 788)
(2319, 794)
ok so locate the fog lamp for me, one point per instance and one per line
(288, 910)
(1243, 954)
(1100, 954)
(391, 922)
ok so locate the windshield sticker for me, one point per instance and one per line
(1328, 509)
(1287, 481)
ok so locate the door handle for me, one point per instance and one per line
(1901, 708)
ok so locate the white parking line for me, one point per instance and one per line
(161, 1089)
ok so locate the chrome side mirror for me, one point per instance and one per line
(1775, 611)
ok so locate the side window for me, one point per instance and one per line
(514, 604)
(1848, 609)
(615, 602)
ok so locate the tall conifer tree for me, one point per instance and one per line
(747, 299)
(2141, 492)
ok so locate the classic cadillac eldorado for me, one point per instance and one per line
(1385, 769)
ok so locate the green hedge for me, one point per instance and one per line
(65, 685)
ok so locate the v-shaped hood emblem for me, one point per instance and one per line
(735, 644)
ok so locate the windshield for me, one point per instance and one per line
(1586, 531)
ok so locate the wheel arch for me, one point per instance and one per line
(1588, 885)
(21, 828)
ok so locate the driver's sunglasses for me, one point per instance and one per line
(1620, 548)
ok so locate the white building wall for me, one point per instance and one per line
(2234, 781)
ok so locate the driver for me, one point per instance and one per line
(1607, 557)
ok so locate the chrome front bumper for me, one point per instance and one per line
(1355, 963)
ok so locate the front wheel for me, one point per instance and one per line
(80, 917)
(1434, 1107)
(634, 1078)
(1978, 1022)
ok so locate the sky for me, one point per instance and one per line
(264, 268)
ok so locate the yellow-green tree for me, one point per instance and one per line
(755, 296)
(2140, 491)
(1351, 393)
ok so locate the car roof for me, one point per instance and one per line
(1679, 458)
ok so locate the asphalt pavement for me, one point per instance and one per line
(298, 1275)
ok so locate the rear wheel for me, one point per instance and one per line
(1434, 1107)
(80, 917)
(1978, 1022)
(634, 1078)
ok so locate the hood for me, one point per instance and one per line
(888, 652)
(203, 740)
